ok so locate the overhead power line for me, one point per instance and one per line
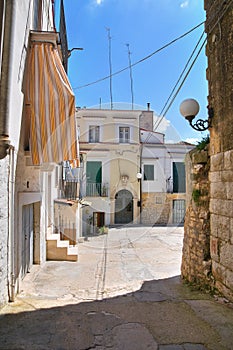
(181, 84)
(211, 20)
(141, 60)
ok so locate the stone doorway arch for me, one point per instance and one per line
(123, 207)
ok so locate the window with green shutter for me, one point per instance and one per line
(148, 172)
(179, 177)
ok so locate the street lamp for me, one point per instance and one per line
(69, 52)
(189, 108)
(139, 176)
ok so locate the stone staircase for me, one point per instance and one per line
(56, 249)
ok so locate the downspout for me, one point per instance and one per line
(140, 182)
(8, 18)
(6, 74)
(11, 187)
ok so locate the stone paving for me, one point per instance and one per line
(124, 293)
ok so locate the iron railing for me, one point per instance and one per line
(96, 190)
(70, 190)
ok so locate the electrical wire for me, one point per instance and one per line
(182, 83)
(180, 86)
(183, 71)
(141, 60)
(157, 123)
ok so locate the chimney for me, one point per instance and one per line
(148, 106)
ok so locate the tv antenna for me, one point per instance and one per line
(131, 76)
(110, 63)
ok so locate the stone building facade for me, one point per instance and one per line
(139, 179)
(219, 51)
(219, 27)
(196, 262)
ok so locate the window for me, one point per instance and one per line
(123, 134)
(93, 178)
(148, 172)
(94, 134)
(179, 177)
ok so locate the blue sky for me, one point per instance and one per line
(146, 25)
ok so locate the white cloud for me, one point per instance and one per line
(99, 2)
(192, 140)
(163, 124)
(184, 4)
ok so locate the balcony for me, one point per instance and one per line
(70, 190)
(96, 190)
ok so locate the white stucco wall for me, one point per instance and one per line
(23, 23)
(3, 230)
(162, 157)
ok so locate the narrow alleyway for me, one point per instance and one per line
(124, 293)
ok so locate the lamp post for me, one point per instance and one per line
(189, 108)
(139, 177)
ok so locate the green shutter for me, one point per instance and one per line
(94, 172)
(179, 177)
(148, 172)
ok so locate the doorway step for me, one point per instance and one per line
(56, 249)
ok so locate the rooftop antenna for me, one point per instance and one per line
(131, 75)
(110, 63)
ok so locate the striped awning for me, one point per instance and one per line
(53, 136)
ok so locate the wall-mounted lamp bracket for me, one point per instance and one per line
(189, 109)
(200, 124)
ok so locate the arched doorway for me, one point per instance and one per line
(123, 207)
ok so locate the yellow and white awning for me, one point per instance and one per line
(53, 135)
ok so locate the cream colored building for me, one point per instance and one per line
(129, 175)
(110, 145)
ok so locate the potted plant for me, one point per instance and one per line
(103, 230)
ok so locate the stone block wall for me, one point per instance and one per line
(219, 51)
(196, 261)
(157, 207)
(221, 209)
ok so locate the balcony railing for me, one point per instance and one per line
(70, 190)
(96, 190)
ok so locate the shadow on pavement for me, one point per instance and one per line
(163, 314)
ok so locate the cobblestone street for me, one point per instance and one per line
(124, 293)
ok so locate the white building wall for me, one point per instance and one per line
(23, 22)
(3, 230)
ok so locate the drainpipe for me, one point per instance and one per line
(11, 187)
(6, 74)
(140, 184)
